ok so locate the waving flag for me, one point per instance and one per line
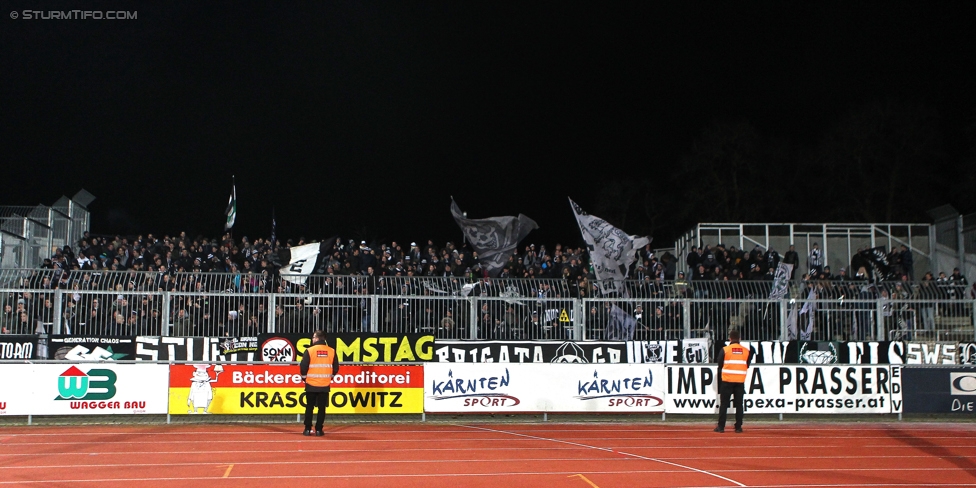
(612, 251)
(300, 261)
(781, 281)
(494, 238)
(231, 208)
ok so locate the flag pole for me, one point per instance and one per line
(274, 228)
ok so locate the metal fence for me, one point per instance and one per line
(483, 316)
(423, 286)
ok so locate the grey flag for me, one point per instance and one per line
(791, 323)
(809, 309)
(781, 281)
(494, 238)
(621, 325)
(612, 251)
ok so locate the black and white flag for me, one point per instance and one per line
(300, 261)
(231, 208)
(875, 261)
(494, 238)
(612, 251)
(781, 281)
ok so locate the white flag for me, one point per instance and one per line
(612, 251)
(300, 261)
(231, 208)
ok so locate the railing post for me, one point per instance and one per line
(783, 317)
(582, 317)
(58, 311)
(272, 307)
(686, 313)
(374, 313)
(879, 333)
(165, 327)
(578, 318)
(473, 317)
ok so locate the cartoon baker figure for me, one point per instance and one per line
(201, 393)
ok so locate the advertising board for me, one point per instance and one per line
(940, 389)
(499, 387)
(80, 389)
(278, 389)
(810, 389)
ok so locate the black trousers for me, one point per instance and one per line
(314, 399)
(730, 391)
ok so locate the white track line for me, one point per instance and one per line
(350, 451)
(289, 428)
(658, 446)
(680, 469)
(463, 475)
(609, 450)
(341, 476)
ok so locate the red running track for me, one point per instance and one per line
(475, 455)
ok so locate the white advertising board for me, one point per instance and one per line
(817, 389)
(15, 385)
(494, 387)
(84, 389)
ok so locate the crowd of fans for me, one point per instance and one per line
(409, 279)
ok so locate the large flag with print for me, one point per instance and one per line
(493, 238)
(875, 262)
(781, 281)
(612, 251)
(300, 261)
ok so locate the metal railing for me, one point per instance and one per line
(473, 316)
(424, 286)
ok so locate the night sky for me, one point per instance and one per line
(363, 118)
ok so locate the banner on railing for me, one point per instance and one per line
(513, 387)
(204, 349)
(812, 389)
(83, 389)
(278, 389)
(967, 353)
(865, 352)
(529, 352)
(91, 348)
(355, 348)
(670, 352)
(940, 390)
(19, 347)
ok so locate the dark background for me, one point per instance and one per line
(364, 118)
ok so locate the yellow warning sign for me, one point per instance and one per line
(563, 316)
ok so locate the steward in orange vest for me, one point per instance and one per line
(733, 363)
(318, 366)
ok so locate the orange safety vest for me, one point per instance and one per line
(735, 364)
(320, 358)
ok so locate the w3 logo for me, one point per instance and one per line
(97, 384)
